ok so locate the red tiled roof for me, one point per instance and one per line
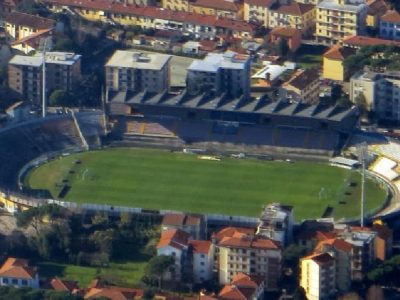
(17, 268)
(200, 246)
(295, 9)
(180, 220)
(63, 285)
(156, 13)
(175, 238)
(361, 41)
(34, 38)
(320, 258)
(264, 3)
(338, 244)
(113, 293)
(232, 231)
(285, 31)
(249, 281)
(339, 53)
(232, 292)
(391, 16)
(217, 4)
(28, 20)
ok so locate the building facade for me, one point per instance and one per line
(221, 73)
(338, 19)
(389, 25)
(25, 74)
(202, 259)
(306, 84)
(257, 11)
(221, 8)
(17, 272)
(136, 72)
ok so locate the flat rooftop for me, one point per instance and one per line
(61, 58)
(354, 6)
(138, 60)
(214, 61)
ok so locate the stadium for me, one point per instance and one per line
(171, 152)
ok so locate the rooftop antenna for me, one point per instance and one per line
(362, 157)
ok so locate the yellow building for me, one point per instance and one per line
(376, 9)
(338, 19)
(257, 11)
(221, 8)
(333, 59)
(317, 276)
(21, 25)
(295, 15)
(180, 5)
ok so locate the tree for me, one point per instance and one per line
(158, 266)
(283, 47)
(387, 273)
(362, 104)
(61, 98)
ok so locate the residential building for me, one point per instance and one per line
(98, 289)
(20, 25)
(310, 238)
(221, 8)
(61, 285)
(220, 73)
(243, 286)
(338, 19)
(257, 11)
(175, 243)
(63, 71)
(7, 6)
(317, 276)
(202, 259)
(192, 224)
(199, 25)
(33, 42)
(363, 253)
(333, 67)
(381, 93)
(358, 41)
(305, 84)
(291, 35)
(240, 251)
(136, 72)
(294, 15)
(17, 272)
(178, 5)
(342, 253)
(376, 9)
(276, 223)
(389, 25)
(383, 241)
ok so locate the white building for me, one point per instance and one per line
(202, 260)
(221, 73)
(276, 223)
(318, 276)
(389, 25)
(136, 72)
(17, 272)
(175, 243)
(381, 92)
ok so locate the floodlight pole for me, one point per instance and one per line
(363, 151)
(44, 79)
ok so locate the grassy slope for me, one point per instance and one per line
(155, 179)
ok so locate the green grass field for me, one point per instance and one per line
(155, 179)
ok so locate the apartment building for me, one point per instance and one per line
(381, 92)
(333, 63)
(221, 8)
(338, 19)
(276, 223)
(294, 15)
(376, 9)
(389, 25)
(192, 224)
(20, 25)
(17, 272)
(220, 73)
(257, 11)
(25, 75)
(317, 276)
(342, 253)
(202, 259)
(136, 72)
(305, 84)
(200, 25)
(243, 286)
(238, 250)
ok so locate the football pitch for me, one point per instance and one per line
(156, 179)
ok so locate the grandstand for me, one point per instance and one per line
(207, 120)
(22, 143)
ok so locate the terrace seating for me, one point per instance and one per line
(91, 125)
(385, 167)
(390, 150)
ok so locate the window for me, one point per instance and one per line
(202, 263)
(5, 280)
(24, 282)
(14, 281)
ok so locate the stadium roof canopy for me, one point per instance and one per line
(262, 105)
